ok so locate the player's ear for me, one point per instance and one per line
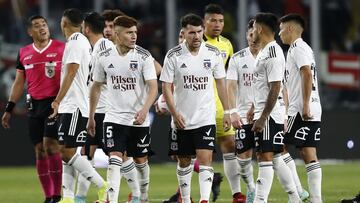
(29, 31)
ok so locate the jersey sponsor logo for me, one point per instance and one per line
(133, 65)
(123, 83)
(195, 83)
(143, 145)
(28, 57)
(50, 69)
(51, 55)
(248, 78)
(207, 64)
(143, 139)
(208, 132)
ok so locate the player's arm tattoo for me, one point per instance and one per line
(272, 98)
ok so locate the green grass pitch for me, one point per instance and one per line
(20, 184)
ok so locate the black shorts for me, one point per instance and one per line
(40, 125)
(120, 138)
(271, 139)
(72, 129)
(99, 138)
(244, 139)
(303, 133)
(186, 142)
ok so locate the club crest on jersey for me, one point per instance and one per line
(133, 65)
(207, 64)
(50, 69)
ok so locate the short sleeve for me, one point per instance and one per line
(301, 57)
(74, 52)
(19, 65)
(275, 67)
(99, 74)
(168, 70)
(219, 68)
(232, 70)
(149, 69)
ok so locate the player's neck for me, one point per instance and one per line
(193, 50)
(208, 36)
(94, 39)
(294, 38)
(254, 51)
(122, 50)
(40, 45)
(266, 40)
(68, 32)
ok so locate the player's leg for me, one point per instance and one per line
(244, 144)
(72, 129)
(83, 184)
(36, 131)
(314, 173)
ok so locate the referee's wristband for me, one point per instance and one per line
(10, 106)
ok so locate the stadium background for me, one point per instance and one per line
(334, 34)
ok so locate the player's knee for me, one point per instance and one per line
(39, 151)
(184, 161)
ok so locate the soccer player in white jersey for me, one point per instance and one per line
(268, 114)
(92, 28)
(239, 84)
(304, 109)
(72, 104)
(191, 68)
(129, 73)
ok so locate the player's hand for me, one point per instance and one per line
(55, 107)
(259, 125)
(160, 111)
(227, 122)
(179, 121)
(140, 117)
(306, 115)
(236, 120)
(90, 126)
(250, 115)
(5, 121)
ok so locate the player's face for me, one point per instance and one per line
(214, 24)
(126, 36)
(181, 37)
(193, 35)
(39, 30)
(250, 38)
(256, 32)
(109, 30)
(285, 33)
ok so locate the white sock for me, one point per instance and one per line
(83, 184)
(68, 181)
(85, 169)
(314, 180)
(232, 172)
(246, 172)
(184, 179)
(129, 172)
(144, 179)
(264, 181)
(206, 176)
(291, 164)
(285, 177)
(113, 177)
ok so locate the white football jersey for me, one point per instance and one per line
(241, 68)
(78, 51)
(300, 54)
(193, 79)
(125, 77)
(98, 46)
(269, 67)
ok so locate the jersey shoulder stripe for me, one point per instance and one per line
(102, 46)
(212, 48)
(75, 37)
(143, 52)
(173, 51)
(242, 53)
(272, 52)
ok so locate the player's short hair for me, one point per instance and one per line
(34, 17)
(110, 15)
(125, 21)
(251, 23)
(213, 9)
(270, 20)
(74, 15)
(95, 22)
(191, 19)
(295, 18)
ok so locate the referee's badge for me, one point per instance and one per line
(207, 64)
(50, 69)
(133, 65)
